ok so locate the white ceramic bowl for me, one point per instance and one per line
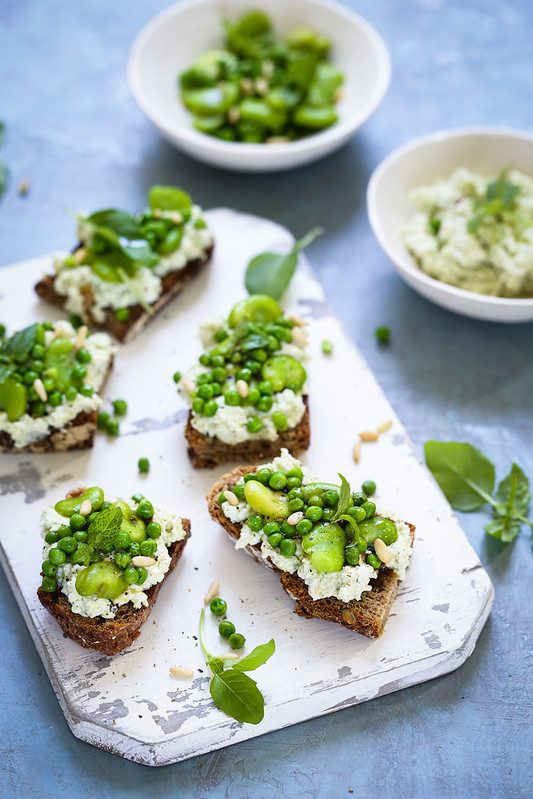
(181, 33)
(485, 150)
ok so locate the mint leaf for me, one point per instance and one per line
(270, 273)
(506, 528)
(4, 177)
(105, 528)
(168, 198)
(514, 487)
(256, 658)
(465, 475)
(499, 201)
(345, 496)
(238, 696)
(20, 343)
(119, 222)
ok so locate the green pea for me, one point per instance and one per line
(86, 390)
(287, 548)
(331, 497)
(71, 393)
(64, 530)
(270, 528)
(122, 540)
(120, 407)
(352, 555)
(153, 530)
(226, 628)
(304, 527)
(293, 482)
(237, 641)
(358, 498)
(288, 530)
(130, 575)
(264, 404)
(280, 421)
(103, 419)
(295, 504)
(357, 512)
(383, 333)
(148, 547)
(176, 377)
(78, 522)
(49, 584)
(369, 487)
(278, 481)
(220, 335)
(266, 387)
(275, 539)
(316, 500)
(204, 377)
(218, 606)
(135, 548)
(255, 522)
(122, 314)
(49, 569)
(232, 398)
(250, 476)
(198, 405)
(54, 399)
(67, 544)
(219, 374)
(113, 427)
(373, 561)
(210, 407)
(327, 514)
(254, 425)
(370, 508)
(143, 465)
(238, 490)
(56, 556)
(83, 355)
(78, 371)
(137, 498)
(314, 513)
(122, 559)
(145, 509)
(254, 395)
(51, 537)
(142, 574)
(263, 475)
(38, 409)
(205, 391)
(221, 498)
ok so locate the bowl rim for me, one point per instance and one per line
(408, 266)
(314, 143)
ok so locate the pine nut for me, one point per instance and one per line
(188, 385)
(228, 656)
(261, 86)
(231, 497)
(242, 388)
(81, 335)
(141, 560)
(59, 331)
(277, 140)
(40, 390)
(24, 186)
(80, 255)
(348, 616)
(298, 321)
(156, 213)
(296, 517)
(368, 435)
(382, 551)
(86, 507)
(234, 115)
(267, 68)
(299, 336)
(382, 428)
(212, 592)
(179, 671)
(357, 452)
(247, 85)
(176, 217)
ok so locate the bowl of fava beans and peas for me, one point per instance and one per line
(258, 88)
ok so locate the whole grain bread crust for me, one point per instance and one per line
(76, 434)
(173, 283)
(207, 451)
(109, 636)
(366, 615)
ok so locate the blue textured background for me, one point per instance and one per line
(74, 132)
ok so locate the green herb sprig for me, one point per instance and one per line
(232, 691)
(467, 478)
(4, 169)
(270, 273)
(499, 202)
(105, 528)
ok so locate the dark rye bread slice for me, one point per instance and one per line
(366, 615)
(207, 451)
(77, 434)
(173, 283)
(109, 636)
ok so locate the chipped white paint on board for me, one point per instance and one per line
(130, 704)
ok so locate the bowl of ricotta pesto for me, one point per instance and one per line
(454, 213)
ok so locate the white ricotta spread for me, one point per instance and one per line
(91, 606)
(28, 429)
(497, 260)
(76, 283)
(347, 584)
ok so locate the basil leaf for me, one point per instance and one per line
(270, 273)
(168, 198)
(20, 343)
(238, 696)
(345, 495)
(514, 490)
(4, 177)
(119, 222)
(105, 528)
(257, 657)
(465, 475)
(505, 528)
(215, 664)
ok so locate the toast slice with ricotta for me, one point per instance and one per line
(96, 620)
(366, 612)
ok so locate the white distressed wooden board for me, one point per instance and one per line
(129, 704)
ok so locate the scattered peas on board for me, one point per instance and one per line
(262, 88)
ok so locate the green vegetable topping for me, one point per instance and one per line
(176, 377)
(237, 641)
(498, 204)
(270, 273)
(218, 606)
(383, 335)
(143, 465)
(225, 628)
(120, 407)
(327, 347)
(369, 487)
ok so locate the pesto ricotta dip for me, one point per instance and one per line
(350, 582)
(28, 429)
(496, 259)
(79, 282)
(93, 606)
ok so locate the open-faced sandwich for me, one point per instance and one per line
(50, 376)
(126, 268)
(339, 558)
(104, 563)
(247, 394)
